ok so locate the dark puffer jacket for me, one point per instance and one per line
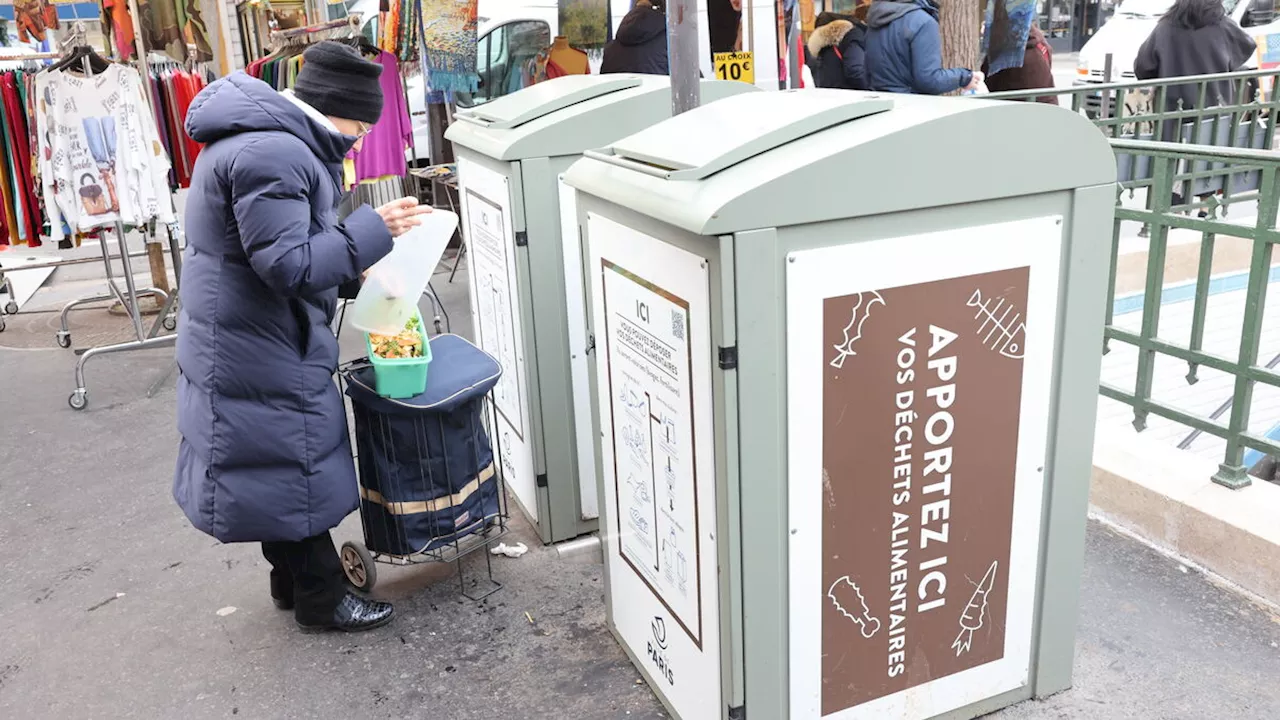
(640, 45)
(904, 50)
(838, 56)
(265, 453)
(1035, 73)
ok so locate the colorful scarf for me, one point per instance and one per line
(449, 40)
(1007, 32)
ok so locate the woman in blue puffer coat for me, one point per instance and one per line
(265, 455)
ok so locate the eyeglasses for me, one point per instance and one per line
(365, 129)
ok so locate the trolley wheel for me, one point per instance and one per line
(169, 323)
(79, 400)
(359, 567)
(11, 308)
(2, 325)
(64, 339)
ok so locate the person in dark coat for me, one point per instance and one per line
(1036, 71)
(835, 53)
(904, 50)
(265, 455)
(1196, 37)
(640, 45)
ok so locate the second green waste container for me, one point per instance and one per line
(845, 385)
(526, 286)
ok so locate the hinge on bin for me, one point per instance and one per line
(522, 238)
(591, 343)
(729, 358)
(541, 480)
(738, 713)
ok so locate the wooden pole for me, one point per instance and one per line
(155, 252)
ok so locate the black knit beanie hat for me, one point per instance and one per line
(338, 82)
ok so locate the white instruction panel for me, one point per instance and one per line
(491, 269)
(651, 318)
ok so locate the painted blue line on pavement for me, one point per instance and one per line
(1183, 292)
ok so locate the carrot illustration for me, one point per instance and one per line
(975, 613)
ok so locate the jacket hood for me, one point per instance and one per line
(239, 104)
(829, 35)
(883, 12)
(641, 25)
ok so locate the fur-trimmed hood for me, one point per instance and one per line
(829, 35)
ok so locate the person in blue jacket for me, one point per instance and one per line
(835, 52)
(265, 455)
(904, 50)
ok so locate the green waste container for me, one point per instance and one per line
(526, 288)
(847, 351)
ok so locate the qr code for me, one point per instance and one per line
(677, 324)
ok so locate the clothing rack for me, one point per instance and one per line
(143, 338)
(350, 24)
(129, 296)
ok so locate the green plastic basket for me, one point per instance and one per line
(399, 378)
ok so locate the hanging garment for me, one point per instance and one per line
(34, 17)
(382, 152)
(119, 27)
(449, 36)
(101, 158)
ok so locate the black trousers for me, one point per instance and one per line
(310, 572)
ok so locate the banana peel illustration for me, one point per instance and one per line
(862, 304)
(847, 598)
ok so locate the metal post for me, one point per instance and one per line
(682, 39)
(1106, 94)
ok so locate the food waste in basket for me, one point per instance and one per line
(386, 308)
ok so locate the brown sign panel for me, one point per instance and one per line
(921, 394)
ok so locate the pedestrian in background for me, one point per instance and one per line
(265, 454)
(640, 45)
(836, 52)
(1196, 37)
(1036, 69)
(904, 50)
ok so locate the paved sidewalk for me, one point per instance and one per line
(114, 608)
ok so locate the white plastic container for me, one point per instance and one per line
(390, 294)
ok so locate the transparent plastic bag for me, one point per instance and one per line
(393, 286)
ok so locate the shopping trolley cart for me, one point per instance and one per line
(431, 489)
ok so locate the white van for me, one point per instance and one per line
(1129, 28)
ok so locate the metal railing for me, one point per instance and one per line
(1139, 109)
(1190, 148)
(1246, 175)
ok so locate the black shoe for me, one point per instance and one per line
(354, 614)
(282, 592)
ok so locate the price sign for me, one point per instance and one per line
(739, 66)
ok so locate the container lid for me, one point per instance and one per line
(544, 98)
(393, 286)
(713, 137)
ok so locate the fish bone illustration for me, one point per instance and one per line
(975, 613)
(847, 597)
(1000, 327)
(862, 304)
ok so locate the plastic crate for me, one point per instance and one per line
(401, 377)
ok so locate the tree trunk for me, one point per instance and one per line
(961, 26)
